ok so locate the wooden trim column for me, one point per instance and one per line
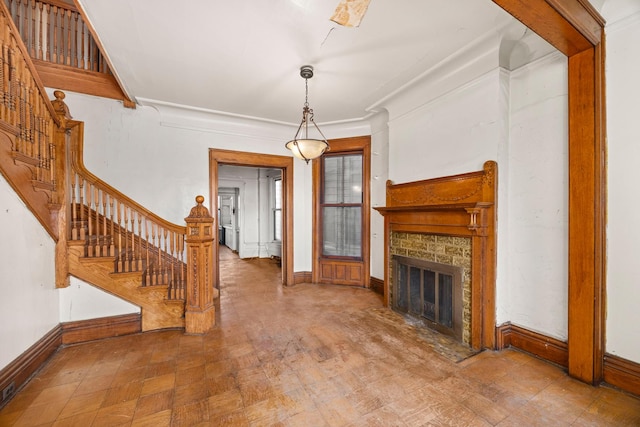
(576, 29)
(200, 312)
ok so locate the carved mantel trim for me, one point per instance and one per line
(459, 205)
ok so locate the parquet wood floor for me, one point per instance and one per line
(301, 356)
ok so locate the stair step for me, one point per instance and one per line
(98, 259)
(125, 274)
(42, 185)
(23, 158)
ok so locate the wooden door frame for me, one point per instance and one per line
(358, 143)
(240, 158)
(576, 29)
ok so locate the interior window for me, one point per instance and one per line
(277, 209)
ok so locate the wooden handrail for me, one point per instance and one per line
(25, 110)
(77, 148)
(112, 224)
(42, 153)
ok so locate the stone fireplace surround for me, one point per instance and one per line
(454, 206)
(446, 250)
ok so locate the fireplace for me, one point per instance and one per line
(430, 292)
(442, 231)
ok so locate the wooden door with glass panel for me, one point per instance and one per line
(341, 213)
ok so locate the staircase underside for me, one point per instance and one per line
(157, 311)
(81, 81)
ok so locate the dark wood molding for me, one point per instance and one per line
(571, 26)
(376, 285)
(545, 347)
(105, 327)
(28, 363)
(622, 373)
(241, 158)
(575, 28)
(301, 277)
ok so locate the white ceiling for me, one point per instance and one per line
(243, 56)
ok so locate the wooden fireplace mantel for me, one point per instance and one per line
(459, 205)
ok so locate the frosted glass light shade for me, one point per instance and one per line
(307, 149)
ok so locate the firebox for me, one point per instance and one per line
(430, 292)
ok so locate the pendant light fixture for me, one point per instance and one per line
(302, 146)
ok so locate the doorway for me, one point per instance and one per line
(285, 164)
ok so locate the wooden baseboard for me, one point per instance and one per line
(545, 347)
(18, 372)
(622, 373)
(376, 285)
(618, 372)
(105, 327)
(301, 277)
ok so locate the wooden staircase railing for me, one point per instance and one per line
(28, 121)
(54, 31)
(41, 158)
(110, 224)
(64, 48)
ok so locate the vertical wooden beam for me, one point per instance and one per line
(586, 216)
(576, 29)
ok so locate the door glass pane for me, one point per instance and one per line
(277, 193)
(277, 209)
(277, 225)
(341, 231)
(343, 179)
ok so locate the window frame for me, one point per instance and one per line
(322, 204)
(275, 209)
(340, 270)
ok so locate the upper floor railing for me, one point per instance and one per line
(25, 111)
(55, 32)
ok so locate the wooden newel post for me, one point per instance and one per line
(200, 312)
(60, 205)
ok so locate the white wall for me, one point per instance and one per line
(29, 300)
(379, 177)
(623, 134)
(518, 119)
(80, 301)
(452, 134)
(534, 293)
(158, 155)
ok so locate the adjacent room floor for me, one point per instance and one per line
(308, 355)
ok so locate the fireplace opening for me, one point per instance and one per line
(429, 292)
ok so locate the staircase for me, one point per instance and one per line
(158, 311)
(102, 236)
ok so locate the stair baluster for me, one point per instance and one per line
(39, 132)
(112, 251)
